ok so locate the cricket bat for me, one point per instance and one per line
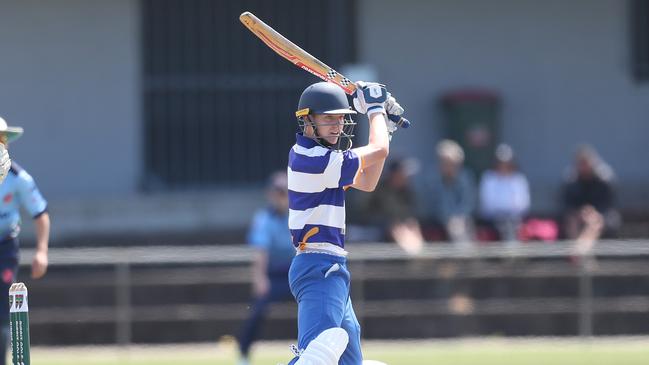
(302, 59)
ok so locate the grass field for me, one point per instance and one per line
(541, 351)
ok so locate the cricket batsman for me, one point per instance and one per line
(321, 166)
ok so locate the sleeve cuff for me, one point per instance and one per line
(40, 213)
(375, 109)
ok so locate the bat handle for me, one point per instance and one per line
(399, 120)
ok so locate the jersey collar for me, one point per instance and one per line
(305, 142)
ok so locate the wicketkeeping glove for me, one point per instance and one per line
(370, 98)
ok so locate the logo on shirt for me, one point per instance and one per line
(8, 198)
(7, 276)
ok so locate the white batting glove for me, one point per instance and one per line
(5, 162)
(370, 98)
(392, 106)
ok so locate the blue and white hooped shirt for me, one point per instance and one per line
(317, 177)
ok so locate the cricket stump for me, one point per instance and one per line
(19, 327)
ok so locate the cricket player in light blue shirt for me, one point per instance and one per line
(272, 251)
(18, 190)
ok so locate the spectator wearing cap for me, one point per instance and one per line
(453, 194)
(273, 251)
(504, 195)
(393, 206)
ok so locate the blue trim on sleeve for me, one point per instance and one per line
(349, 169)
(15, 168)
(41, 213)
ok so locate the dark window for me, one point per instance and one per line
(218, 104)
(639, 12)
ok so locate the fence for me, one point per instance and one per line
(119, 287)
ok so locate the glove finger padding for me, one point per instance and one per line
(392, 106)
(370, 98)
(358, 105)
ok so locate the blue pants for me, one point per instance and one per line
(8, 271)
(321, 289)
(279, 291)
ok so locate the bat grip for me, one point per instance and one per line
(399, 120)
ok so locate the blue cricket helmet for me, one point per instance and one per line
(323, 98)
(326, 98)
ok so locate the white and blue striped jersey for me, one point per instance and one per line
(16, 191)
(317, 177)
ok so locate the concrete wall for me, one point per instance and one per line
(562, 68)
(69, 75)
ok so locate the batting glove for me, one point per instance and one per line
(370, 98)
(393, 108)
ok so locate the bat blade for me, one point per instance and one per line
(294, 54)
(303, 59)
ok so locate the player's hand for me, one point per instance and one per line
(5, 162)
(39, 265)
(261, 287)
(370, 98)
(392, 107)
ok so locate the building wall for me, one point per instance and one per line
(70, 75)
(561, 67)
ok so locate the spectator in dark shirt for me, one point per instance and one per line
(588, 200)
(393, 205)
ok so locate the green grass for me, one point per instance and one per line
(618, 351)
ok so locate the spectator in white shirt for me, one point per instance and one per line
(504, 195)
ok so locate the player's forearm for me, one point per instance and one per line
(378, 144)
(378, 136)
(371, 176)
(374, 153)
(42, 228)
(259, 265)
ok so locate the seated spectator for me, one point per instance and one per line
(394, 205)
(453, 193)
(504, 195)
(588, 200)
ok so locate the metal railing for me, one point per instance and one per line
(167, 266)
